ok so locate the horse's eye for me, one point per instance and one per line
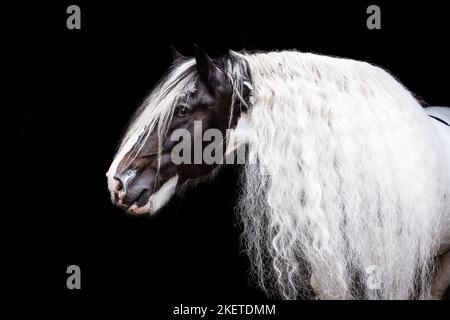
(182, 110)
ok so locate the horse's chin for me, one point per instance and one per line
(135, 210)
(157, 200)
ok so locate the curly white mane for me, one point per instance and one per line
(348, 189)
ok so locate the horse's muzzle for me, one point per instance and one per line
(133, 188)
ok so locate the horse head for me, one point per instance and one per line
(195, 97)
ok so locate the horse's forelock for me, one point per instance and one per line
(153, 117)
(155, 113)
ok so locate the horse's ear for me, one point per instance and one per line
(205, 65)
(176, 56)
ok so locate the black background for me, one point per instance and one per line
(78, 91)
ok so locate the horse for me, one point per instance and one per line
(347, 195)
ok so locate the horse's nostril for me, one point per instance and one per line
(131, 187)
(119, 185)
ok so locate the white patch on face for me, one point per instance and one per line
(112, 183)
(158, 199)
